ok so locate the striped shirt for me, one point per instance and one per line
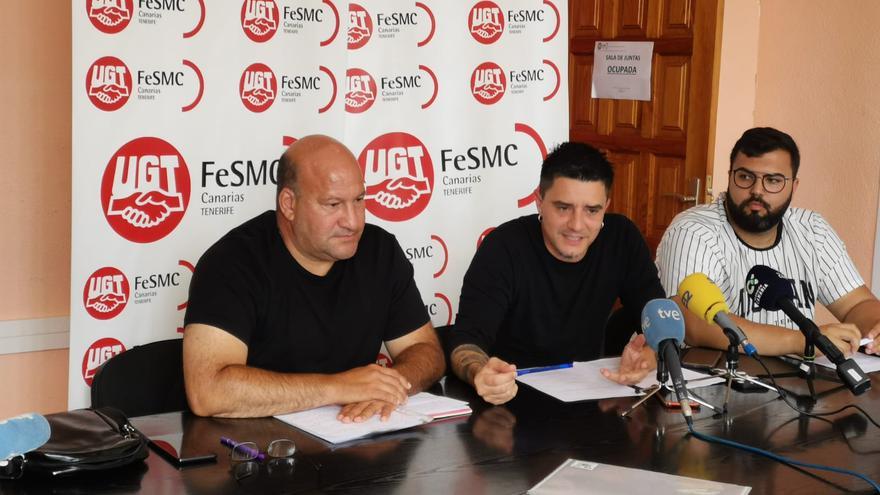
(808, 252)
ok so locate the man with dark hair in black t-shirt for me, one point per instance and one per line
(288, 311)
(540, 288)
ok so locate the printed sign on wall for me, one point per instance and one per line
(181, 111)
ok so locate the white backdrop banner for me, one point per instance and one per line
(181, 109)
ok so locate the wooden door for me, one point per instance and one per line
(658, 147)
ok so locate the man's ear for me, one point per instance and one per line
(538, 200)
(287, 203)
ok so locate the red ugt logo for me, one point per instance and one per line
(145, 189)
(361, 90)
(109, 16)
(486, 22)
(106, 293)
(360, 26)
(399, 175)
(259, 19)
(258, 87)
(108, 83)
(488, 83)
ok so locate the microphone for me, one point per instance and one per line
(22, 434)
(771, 292)
(663, 326)
(704, 298)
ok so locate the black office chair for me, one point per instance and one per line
(621, 324)
(443, 337)
(146, 379)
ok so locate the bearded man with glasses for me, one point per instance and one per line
(752, 224)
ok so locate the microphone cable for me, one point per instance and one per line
(787, 460)
(817, 415)
(779, 458)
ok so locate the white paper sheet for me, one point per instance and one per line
(419, 409)
(869, 363)
(622, 70)
(574, 475)
(583, 381)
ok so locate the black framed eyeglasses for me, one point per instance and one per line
(745, 179)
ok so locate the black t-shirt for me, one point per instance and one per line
(523, 305)
(249, 285)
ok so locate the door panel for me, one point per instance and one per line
(670, 97)
(626, 118)
(667, 173)
(632, 18)
(584, 111)
(585, 19)
(676, 19)
(623, 198)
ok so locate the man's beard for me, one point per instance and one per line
(751, 221)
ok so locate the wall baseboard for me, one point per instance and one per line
(39, 334)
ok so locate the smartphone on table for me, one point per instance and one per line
(700, 358)
(670, 401)
(170, 447)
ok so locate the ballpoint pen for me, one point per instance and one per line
(538, 369)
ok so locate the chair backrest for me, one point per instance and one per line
(621, 324)
(443, 336)
(146, 379)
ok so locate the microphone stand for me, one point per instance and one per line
(808, 368)
(662, 378)
(732, 372)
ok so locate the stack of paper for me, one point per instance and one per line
(436, 406)
(420, 409)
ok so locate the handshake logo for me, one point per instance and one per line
(486, 22)
(488, 83)
(259, 19)
(109, 16)
(360, 26)
(106, 293)
(108, 83)
(146, 208)
(398, 193)
(258, 87)
(399, 175)
(145, 189)
(361, 91)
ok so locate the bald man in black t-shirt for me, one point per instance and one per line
(288, 311)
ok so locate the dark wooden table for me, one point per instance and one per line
(511, 448)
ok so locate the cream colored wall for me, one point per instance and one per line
(35, 200)
(736, 82)
(818, 73)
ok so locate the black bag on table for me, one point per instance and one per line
(86, 440)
